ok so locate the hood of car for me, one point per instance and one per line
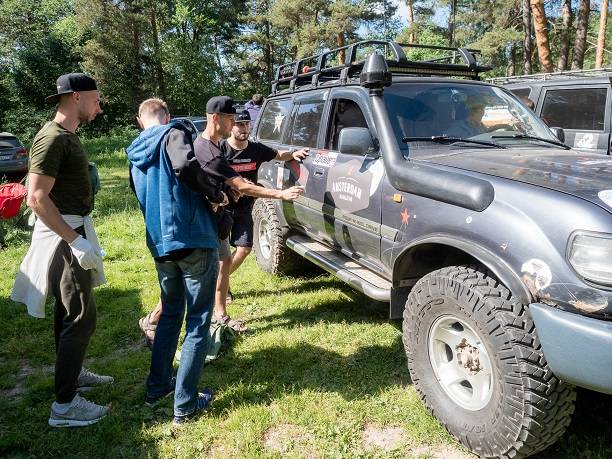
(588, 176)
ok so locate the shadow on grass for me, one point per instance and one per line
(116, 348)
(270, 373)
(590, 433)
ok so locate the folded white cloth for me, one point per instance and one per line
(31, 284)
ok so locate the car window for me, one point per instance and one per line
(521, 92)
(575, 108)
(306, 122)
(199, 125)
(9, 142)
(273, 119)
(346, 113)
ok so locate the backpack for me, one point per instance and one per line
(11, 197)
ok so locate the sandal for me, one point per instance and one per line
(237, 325)
(148, 329)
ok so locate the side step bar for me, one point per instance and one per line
(357, 276)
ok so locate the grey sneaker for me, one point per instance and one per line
(80, 413)
(88, 379)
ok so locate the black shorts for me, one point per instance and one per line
(242, 230)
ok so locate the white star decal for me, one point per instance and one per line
(278, 121)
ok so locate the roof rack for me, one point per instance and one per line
(319, 68)
(605, 72)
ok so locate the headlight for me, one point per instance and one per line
(591, 257)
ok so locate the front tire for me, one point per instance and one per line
(476, 361)
(271, 253)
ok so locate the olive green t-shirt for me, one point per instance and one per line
(58, 153)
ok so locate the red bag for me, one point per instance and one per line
(11, 197)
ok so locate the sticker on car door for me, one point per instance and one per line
(586, 140)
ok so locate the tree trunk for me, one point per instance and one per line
(564, 36)
(451, 22)
(339, 43)
(527, 43)
(268, 54)
(410, 16)
(540, 25)
(159, 70)
(219, 63)
(512, 62)
(601, 37)
(582, 24)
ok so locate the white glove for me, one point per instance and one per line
(85, 253)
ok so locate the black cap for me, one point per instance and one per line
(242, 116)
(72, 82)
(220, 104)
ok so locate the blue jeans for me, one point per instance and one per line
(188, 281)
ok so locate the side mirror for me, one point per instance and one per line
(559, 133)
(356, 141)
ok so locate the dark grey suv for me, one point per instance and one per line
(577, 101)
(451, 201)
(13, 155)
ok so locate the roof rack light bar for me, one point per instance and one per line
(309, 70)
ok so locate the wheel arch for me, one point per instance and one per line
(435, 252)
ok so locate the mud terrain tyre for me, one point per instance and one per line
(271, 253)
(476, 361)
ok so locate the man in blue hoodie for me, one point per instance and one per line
(173, 190)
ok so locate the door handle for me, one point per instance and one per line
(318, 173)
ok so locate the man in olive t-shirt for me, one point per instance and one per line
(64, 245)
(57, 152)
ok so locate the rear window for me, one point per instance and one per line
(521, 92)
(273, 119)
(582, 109)
(9, 142)
(307, 119)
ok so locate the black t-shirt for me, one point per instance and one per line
(246, 162)
(212, 160)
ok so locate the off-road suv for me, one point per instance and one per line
(578, 101)
(450, 200)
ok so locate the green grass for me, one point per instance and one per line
(322, 371)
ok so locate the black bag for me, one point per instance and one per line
(224, 223)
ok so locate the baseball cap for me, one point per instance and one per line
(220, 104)
(72, 82)
(242, 116)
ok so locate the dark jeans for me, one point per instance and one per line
(189, 281)
(75, 318)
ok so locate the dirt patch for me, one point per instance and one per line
(130, 348)
(387, 438)
(285, 438)
(19, 389)
(441, 452)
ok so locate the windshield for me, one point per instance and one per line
(462, 110)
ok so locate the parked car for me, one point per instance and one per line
(451, 201)
(577, 101)
(13, 155)
(195, 124)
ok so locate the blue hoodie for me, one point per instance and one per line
(175, 217)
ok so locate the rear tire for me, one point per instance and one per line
(271, 253)
(493, 391)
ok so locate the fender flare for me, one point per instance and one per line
(502, 270)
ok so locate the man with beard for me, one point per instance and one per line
(245, 157)
(64, 257)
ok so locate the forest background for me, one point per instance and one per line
(185, 51)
